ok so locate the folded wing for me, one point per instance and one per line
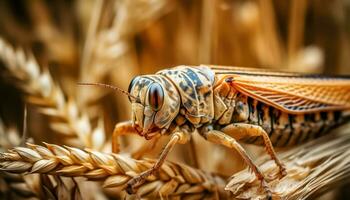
(290, 92)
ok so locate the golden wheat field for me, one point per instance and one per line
(56, 135)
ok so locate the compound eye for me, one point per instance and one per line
(131, 85)
(156, 96)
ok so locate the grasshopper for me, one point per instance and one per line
(230, 104)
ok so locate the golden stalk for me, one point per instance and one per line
(110, 49)
(40, 186)
(173, 180)
(296, 28)
(16, 185)
(11, 182)
(311, 169)
(43, 92)
(270, 33)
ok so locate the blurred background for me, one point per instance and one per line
(111, 41)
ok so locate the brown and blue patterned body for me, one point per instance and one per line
(209, 99)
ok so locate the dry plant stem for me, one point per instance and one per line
(38, 186)
(42, 91)
(173, 180)
(16, 185)
(10, 182)
(296, 27)
(105, 48)
(96, 14)
(270, 32)
(312, 168)
(206, 36)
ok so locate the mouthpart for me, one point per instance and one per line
(149, 134)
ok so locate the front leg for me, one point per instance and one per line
(240, 130)
(124, 128)
(176, 138)
(121, 128)
(219, 137)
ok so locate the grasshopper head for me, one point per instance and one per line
(156, 105)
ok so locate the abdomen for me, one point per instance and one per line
(284, 129)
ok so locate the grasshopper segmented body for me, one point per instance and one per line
(229, 104)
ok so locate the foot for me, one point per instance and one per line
(136, 181)
(282, 171)
(266, 189)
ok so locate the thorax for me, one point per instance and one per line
(195, 87)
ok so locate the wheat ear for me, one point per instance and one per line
(173, 180)
(42, 91)
(11, 182)
(19, 186)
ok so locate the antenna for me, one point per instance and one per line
(110, 87)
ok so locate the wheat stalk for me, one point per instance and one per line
(19, 185)
(173, 180)
(11, 182)
(42, 91)
(103, 47)
(109, 50)
(40, 186)
(311, 169)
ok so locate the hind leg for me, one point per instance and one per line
(240, 130)
(219, 137)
